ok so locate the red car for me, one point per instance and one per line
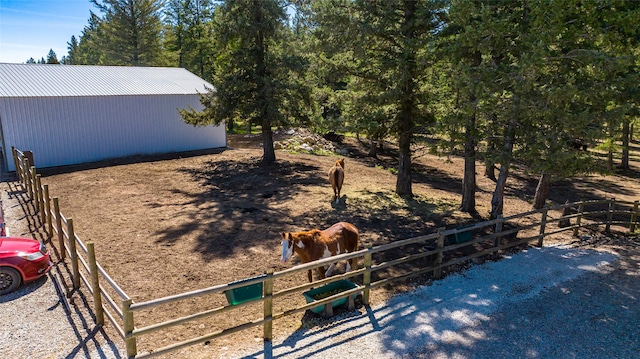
(21, 260)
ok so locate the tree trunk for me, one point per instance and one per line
(405, 117)
(489, 165)
(230, 125)
(372, 149)
(403, 182)
(610, 150)
(625, 144)
(497, 201)
(469, 180)
(269, 153)
(542, 191)
(490, 171)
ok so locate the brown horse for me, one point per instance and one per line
(315, 244)
(336, 177)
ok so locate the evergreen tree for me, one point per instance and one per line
(132, 31)
(258, 76)
(52, 58)
(90, 49)
(390, 45)
(191, 34)
(72, 51)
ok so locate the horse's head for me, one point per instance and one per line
(287, 247)
(298, 243)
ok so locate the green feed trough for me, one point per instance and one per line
(244, 293)
(328, 290)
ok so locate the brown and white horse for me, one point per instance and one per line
(315, 244)
(336, 177)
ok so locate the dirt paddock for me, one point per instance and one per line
(164, 226)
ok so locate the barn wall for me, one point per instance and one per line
(71, 130)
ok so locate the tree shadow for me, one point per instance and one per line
(238, 196)
(477, 314)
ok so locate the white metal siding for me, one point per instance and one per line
(71, 130)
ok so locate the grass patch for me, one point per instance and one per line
(419, 208)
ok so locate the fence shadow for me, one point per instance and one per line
(92, 340)
(447, 313)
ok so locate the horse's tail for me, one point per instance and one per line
(338, 179)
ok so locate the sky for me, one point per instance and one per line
(30, 28)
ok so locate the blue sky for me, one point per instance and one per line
(30, 28)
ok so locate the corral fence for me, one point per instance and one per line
(385, 264)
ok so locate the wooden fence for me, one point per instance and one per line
(429, 255)
(108, 298)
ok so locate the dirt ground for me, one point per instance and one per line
(169, 225)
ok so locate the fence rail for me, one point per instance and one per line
(85, 268)
(439, 250)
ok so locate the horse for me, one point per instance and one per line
(336, 177)
(315, 244)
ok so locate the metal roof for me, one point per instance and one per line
(47, 80)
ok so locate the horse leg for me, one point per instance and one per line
(321, 273)
(310, 275)
(330, 270)
(352, 264)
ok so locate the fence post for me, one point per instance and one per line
(47, 210)
(95, 283)
(437, 273)
(56, 210)
(607, 228)
(40, 199)
(20, 169)
(543, 225)
(25, 174)
(579, 218)
(32, 184)
(366, 276)
(634, 217)
(268, 305)
(16, 163)
(496, 241)
(74, 253)
(127, 317)
(29, 179)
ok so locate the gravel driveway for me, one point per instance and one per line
(35, 321)
(553, 302)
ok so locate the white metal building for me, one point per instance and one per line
(67, 114)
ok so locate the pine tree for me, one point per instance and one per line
(132, 31)
(72, 51)
(191, 34)
(90, 49)
(389, 43)
(52, 58)
(257, 75)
